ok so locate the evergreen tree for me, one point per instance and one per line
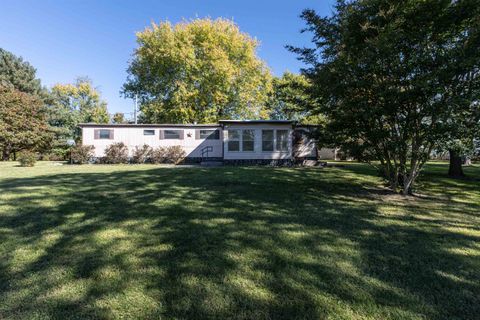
(18, 74)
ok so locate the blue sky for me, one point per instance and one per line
(66, 39)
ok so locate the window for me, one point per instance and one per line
(267, 140)
(172, 134)
(208, 134)
(233, 140)
(103, 134)
(282, 140)
(248, 140)
(148, 132)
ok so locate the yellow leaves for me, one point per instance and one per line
(65, 89)
(85, 88)
(82, 100)
(201, 65)
(81, 88)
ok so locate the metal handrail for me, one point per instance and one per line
(206, 150)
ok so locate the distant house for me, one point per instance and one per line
(229, 141)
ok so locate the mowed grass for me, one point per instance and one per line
(149, 242)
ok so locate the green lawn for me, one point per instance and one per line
(141, 241)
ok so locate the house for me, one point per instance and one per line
(230, 141)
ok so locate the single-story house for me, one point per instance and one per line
(229, 141)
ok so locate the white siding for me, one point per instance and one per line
(257, 153)
(133, 136)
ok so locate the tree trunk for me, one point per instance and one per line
(5, 154)
(455, 169)
(407, 182)
(407, 187)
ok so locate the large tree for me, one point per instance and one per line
(22, 107)
(15, 73)
(23, 122)
(291, 98)
(73, 104)
(198, 71)
(390, 75)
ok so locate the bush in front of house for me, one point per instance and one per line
(82, 154)
(158, 155)
(116, 153)
(142, 154)
(175, 154)
(172, 154)
(27, 158)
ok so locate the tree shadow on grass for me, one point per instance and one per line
(226, 243)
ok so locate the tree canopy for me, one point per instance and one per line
(395, 77)
(198, 71)
(18, 74)
(23, 123)
(291, 99)
(75, 103)
(118, 117)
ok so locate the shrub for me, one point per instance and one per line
(158, 155)
(175, 154)
(116, 153)
(27, 158)
(59, 153)
(82, 154)
(142, 154)
(52, 157)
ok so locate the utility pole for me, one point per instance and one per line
(135, 110)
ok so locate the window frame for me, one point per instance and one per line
(238, 139)
(277, 141)
(150, 130)
(214, 134)
(97, 134)
(177, 137)
(252, 140)
(272, 141)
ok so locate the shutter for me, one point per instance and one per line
(197, 134)
(181, 132)
(217, 134)
(111, 134)
(161, 134)
(96, 134)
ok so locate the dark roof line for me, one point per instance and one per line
(257, 121)
(188, 125)
(145, 125)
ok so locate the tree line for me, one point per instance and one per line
(194, 72)
(389, 82)
(37, 119)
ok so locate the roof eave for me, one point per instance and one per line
(144, 125)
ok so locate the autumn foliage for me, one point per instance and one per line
(23, 124)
